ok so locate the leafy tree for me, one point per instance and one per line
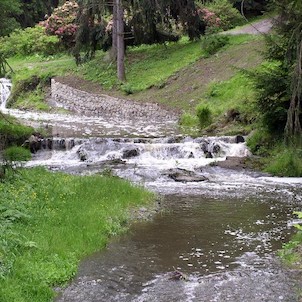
(23, 13)
(280, 82)
(145, 21)
(251, 7)
(8, 9)
(290, 27)
(33, 11)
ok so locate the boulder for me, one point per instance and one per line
(82, 154)
(34, 142)
(130, 152)
(239, 139)
(208, 154)
(181, 175)
(216, 149)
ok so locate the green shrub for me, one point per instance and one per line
(15, 153)
(188, 120)
(204, 115)
(271, 81)
(29, 41)
(29, 93)
(211, 43)
(260, 142)
(286, 163)
(127, 88)
(12, 133)
(228, 15)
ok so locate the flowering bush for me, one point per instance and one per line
(228, 16)
(62, 23)
(209, 17)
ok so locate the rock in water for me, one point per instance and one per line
(131, 152)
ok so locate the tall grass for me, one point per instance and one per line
(238, 92)
(49, 221)
(286, 162)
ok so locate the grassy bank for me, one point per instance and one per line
(291, 253)
(49, 221)
(11, 132)
(147, 66)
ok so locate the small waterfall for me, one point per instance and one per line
(5, 90)
(153, 154)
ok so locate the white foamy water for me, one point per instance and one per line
(70, 125)
(5, 88)
(153, 162)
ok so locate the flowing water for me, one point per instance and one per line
(219, 228)
(5, 88)
(216, 235)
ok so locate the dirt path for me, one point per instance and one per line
(259, 27)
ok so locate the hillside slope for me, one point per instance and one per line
(184, 89)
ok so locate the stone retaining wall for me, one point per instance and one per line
(103, 105)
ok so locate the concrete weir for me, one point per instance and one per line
(103, 105)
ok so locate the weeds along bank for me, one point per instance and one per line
(49, 221)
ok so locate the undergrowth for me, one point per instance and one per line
(49, 221)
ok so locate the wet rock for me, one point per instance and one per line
(216, 149)
(115, 161)
(177, 276)
(82, 154)
(204, 147)
(171, 140)
(131, 152)
(140, 140)
(232, 162)
(182, 175)
(59, 144)
(34, 143)
(208, 154)
(191, 155)
(239, 139)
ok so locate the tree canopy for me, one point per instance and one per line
(146, 22)
(280, 82)
(23, 13)
(8, 9)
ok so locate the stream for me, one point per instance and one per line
(217, 232)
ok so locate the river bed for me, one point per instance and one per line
(216, 236)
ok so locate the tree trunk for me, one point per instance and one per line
(120, 41)
(113, 50)
(293, 128)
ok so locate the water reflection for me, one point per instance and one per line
(222, 245)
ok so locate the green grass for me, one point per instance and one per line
(25, 67)
(32, 100)
(149, 65)
(39, 67)
(49, 221)
(285, 161)
(12, 133)
(238, 92)
(15, 153)
(146, 65)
